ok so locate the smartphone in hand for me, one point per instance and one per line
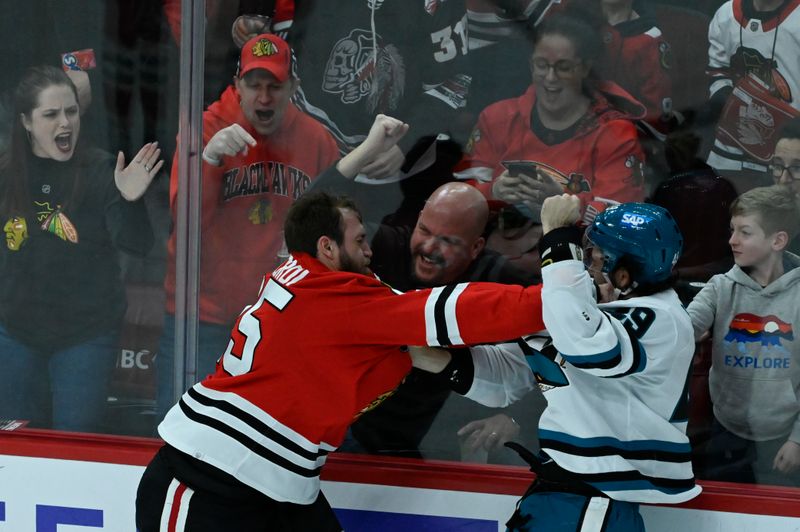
(527, 168)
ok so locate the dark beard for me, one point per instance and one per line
(347, 264)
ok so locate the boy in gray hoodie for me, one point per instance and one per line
(755, 372)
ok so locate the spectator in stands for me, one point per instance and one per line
(573, 133)
(406, 59)
(516, 237)
(260, 154)
(638, 58)
(785, 164)
(699, 200)
(752, 310)
(445, 246)
(221, 52)
(66, 210)
(753, 49)
(499, 51)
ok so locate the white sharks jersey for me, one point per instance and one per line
(615, 379)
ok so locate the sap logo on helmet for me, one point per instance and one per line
(633, 219)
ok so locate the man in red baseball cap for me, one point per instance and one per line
(265, 84)
(269, 52)
(260, 154)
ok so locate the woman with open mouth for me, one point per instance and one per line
(67, 210)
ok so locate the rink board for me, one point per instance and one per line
(52, 482)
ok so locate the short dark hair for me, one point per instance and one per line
(314, 215)
(580, 31)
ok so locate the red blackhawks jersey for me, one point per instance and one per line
(601, 162)
(245, 202)
(318, 348)
(638, 58)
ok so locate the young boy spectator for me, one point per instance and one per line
(754, 378)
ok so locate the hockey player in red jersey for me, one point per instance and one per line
(246, 445)
(262, 426)
(260, 153)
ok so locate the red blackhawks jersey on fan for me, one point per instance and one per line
(244, 203)
(638, 58)
(318, 348)
(601, 162)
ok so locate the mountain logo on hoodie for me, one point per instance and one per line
(768, 330)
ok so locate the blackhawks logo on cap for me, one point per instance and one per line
(264, 47)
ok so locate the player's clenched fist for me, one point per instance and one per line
(560, 211)
(233, 140)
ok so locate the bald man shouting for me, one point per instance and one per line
(445, 246)
(448, 236)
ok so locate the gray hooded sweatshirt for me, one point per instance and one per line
(755, 370)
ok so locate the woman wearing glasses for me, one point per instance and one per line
(785, 165)
(567, 133)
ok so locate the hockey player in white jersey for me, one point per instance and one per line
(614, 373)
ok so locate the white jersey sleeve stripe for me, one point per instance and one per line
(481, 174)
(441, 325)
(453, 332)
(431, 333)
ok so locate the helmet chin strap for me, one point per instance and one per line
(627, 291)
(620, 291)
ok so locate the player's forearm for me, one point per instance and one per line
(430, 359)
(501, 374)
(453, 367)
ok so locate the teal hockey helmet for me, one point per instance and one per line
(645, 235)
